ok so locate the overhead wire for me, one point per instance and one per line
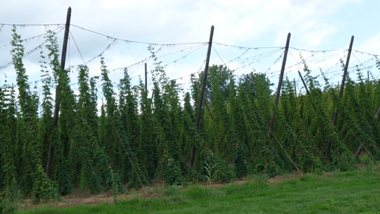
(132, 41)
(275, 62)
(350, 68)
(241, 47)
(298, 80)
(362, 52)
(77, 47)
(365, 68)
(255, 59)
(26, 54)
(268, 53)
(219, 56)
(150, 57)
(242, 54)
(301, 49)
(315, 60)
(199, 45)
(39, 25)
(33, 37)
(99, 55)
(184, 56)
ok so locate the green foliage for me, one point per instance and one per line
(240, 133)
(223, 140)
(9, 199)
(8, 138)
(35, 180)
(126, 154)
(211, 172)
(346, 164)
(68, 148)
(138, 136)
(147, 144)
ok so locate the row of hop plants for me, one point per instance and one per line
(135, 139)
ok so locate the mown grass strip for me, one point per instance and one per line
(350, 192)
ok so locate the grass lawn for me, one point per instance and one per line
(349, 192)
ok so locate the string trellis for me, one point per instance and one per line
(235, 63)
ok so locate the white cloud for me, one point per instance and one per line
(371, 45)
(252, 23)
(109, 4)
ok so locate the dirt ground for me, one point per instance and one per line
(154, 191)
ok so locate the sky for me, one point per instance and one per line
(249, 36)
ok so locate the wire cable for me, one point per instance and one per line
(26, 54)
(365, 68)
(29, 25)
(219, 56)
(132, 41)
(77, 47)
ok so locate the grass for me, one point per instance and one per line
(350, 192)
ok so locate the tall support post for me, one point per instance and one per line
(192, 156)
(304, 84)
(146, 79)
(280, 82)
(295, 88)
(57, 91)
(368, 75)
(307, 90)
(250, 81)
(341, 91)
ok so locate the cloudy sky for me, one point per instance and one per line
(248, 35)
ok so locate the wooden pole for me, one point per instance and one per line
(307, 90)
(295, 88)
(304, 84)
(368, 75)
(192, 156)
(357, 153)
(250, 81)
(57, 91)
(280, 82)
(146, 79)
(341, 92)
(360, 147)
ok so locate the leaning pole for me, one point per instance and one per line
(192, 155)
(57, 91)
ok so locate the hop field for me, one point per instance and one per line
(66, 145)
